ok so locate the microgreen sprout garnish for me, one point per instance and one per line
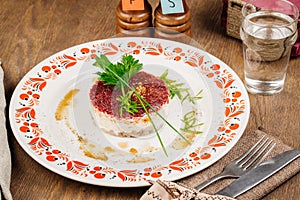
(119, 75)
(127, 104)
(191, 124)
(178, 89)
(192, 99)
(174, 87)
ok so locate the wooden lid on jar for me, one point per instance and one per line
(172, 19)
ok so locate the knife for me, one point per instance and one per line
(259, 174)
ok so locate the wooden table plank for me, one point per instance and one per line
(32, 30)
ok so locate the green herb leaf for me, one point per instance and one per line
(127, 68)
(178, 89)
(127, 104)
(130, 66)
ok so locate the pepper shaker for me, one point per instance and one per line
(134, 22)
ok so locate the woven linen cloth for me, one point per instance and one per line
(5, 159)
(165, 190)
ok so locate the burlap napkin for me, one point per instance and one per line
(184, 188)
(5, 160)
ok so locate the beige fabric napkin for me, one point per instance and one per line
(5, 159)
(161, 190)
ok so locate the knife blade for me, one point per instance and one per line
(259, 174)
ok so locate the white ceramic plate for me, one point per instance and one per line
(51, 119)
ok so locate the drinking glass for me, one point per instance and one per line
(268, 32)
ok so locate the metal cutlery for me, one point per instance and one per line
(259, 174)
(249, 160)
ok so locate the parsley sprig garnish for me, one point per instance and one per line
(125, 69)
(111, 75)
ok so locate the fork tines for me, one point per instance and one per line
(254, 155)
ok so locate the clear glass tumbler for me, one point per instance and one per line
(268, 32)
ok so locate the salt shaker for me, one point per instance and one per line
(172, 25)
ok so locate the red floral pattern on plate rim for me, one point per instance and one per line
(28, 126)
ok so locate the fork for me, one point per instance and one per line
(250, 159)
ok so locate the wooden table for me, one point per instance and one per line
(32, 30)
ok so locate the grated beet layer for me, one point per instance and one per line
(151, 88)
